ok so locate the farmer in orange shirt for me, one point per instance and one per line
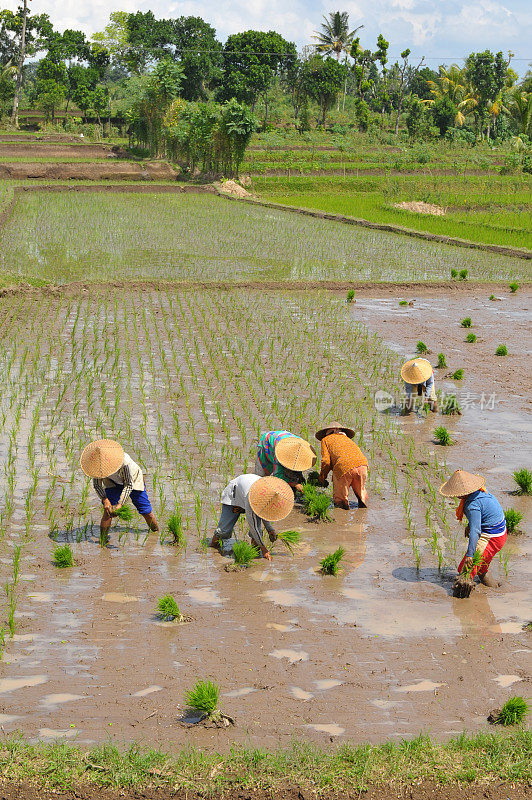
(348, 463)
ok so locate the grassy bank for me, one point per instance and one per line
(484, 758)
(494, 210)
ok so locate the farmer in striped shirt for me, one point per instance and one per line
(486, 529)
(284, 455)
(116, 477)
(348, 463)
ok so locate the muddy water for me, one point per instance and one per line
(294, 651)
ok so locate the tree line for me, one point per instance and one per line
(179, 90)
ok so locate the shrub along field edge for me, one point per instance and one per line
(484, 758)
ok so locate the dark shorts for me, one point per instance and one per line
(140, 499)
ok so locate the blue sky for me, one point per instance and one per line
(441, 30)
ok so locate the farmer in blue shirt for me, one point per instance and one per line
(486, 529)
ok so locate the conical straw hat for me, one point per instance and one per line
(322, 431)
(417, 370)
(295, 454)
(271, 499)
(101, 458)
(462, 483)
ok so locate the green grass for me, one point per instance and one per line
(489, 210)
(486, 758)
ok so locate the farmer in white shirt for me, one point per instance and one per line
(262, 500)
(116, 477)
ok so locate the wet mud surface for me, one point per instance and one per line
(379, 652)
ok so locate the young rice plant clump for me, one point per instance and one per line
(471, 338)
(175, 526)
(124, 513)
(244, 553)
(168, 609)
(350, 295)
(421, 347)
(514, 286)
(204, 697)
(513, 518)
(442, 436)
(513, 711)
(316, 503)
(329, 564)
(441, 361)
(523, 479)
(462, 274)
(502, 350)
(466, 322)
(62, 556)
(458, 374)
(290, 539)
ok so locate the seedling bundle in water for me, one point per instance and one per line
(441, 361)
(523, 479)
(442, 436)
(513, 518)
(315, 503)
(458, 375)
(513, 712)
(175, 526)
(350, 295)
(421, 347)
(168, 610)
(466, 322)
(502, 350)
(244, 553)
(124, 513)
(290, 539)
(471, 338)
(62, 556)
(330, 564)
(204, 698)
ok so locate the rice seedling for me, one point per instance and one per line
(458, 374)
(513, 712)
(175, 527)
(463, 274)
(492, 297)
(204, 698)
(501, 350)
(471, 338)
(244, 553)
(441, 361)
(290, 539)
(442, 436)
(168, 610)
(350, 295)
(523, 479)
(454, 273)
(513, 518)
(62, 556)
(403, 302)
(330, 564)
(450, 405)
(316, 503)
(124, 513)
(421, 347)
(514, 286)
(466, 322)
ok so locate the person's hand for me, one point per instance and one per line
(107, 508)
(266, 553)
(273, 536)
(468, 562)
(298, 487)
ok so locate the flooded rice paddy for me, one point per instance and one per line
(187, 382)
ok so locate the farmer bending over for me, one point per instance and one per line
(262, 500)
(418, 373)
(115, 478)
(486, 529)
(348, 463)
(284, 455)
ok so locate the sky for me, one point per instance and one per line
(443, 31)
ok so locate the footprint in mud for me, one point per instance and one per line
(58, 699)
(147, 691)
(243, 692)
(281, 597)
(331, 729)
(327, 683)
(205, 595)
(421, 686)
(51, 733)
(119, 597)
(293, 656)
(278, 626)
(505, 681)
(12, 684)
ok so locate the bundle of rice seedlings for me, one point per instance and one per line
(421, 347)
(244, 553)
(168, 610)
(502, 350)
(175, 527)
(454, 273)
(462, 274)
(204, 697)
(513, 711)
(466, 322)
(514, 286)
(63, 556)
(441, 361)
(471, 338)
(523, 478)
(513, 518)
(403, 302)
(315, 503)
(124, 513)
(458, 375)
(442, 436)
(290, 539)
(350, 295)
(329, 564)
(450, 405)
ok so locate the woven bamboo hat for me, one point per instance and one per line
(323, 431)
(271, 499)
(101, 458)
(462, 483)
(295, 454)
(417, 370)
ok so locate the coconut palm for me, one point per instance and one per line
(520, 108)
(452, 83)
(335, 36)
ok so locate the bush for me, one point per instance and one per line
(502, 350)
(523, 479)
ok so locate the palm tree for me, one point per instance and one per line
(452, 83)
(335, 36)
(520, 107)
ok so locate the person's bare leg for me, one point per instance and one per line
(151, 520)
(105, 526)
(488, 580)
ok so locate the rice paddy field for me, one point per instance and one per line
(184, 325)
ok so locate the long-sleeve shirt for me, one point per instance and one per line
(129, 476)
(236, 493)
(340, 453)
(485, 516)
(266, 454)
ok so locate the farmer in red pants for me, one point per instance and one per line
(486, 529)
(348, 463)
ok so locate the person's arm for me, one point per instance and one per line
(99, 488)
(128, 486)
(255, 530)
(428, 386)
(325, 461)
(474, 518)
